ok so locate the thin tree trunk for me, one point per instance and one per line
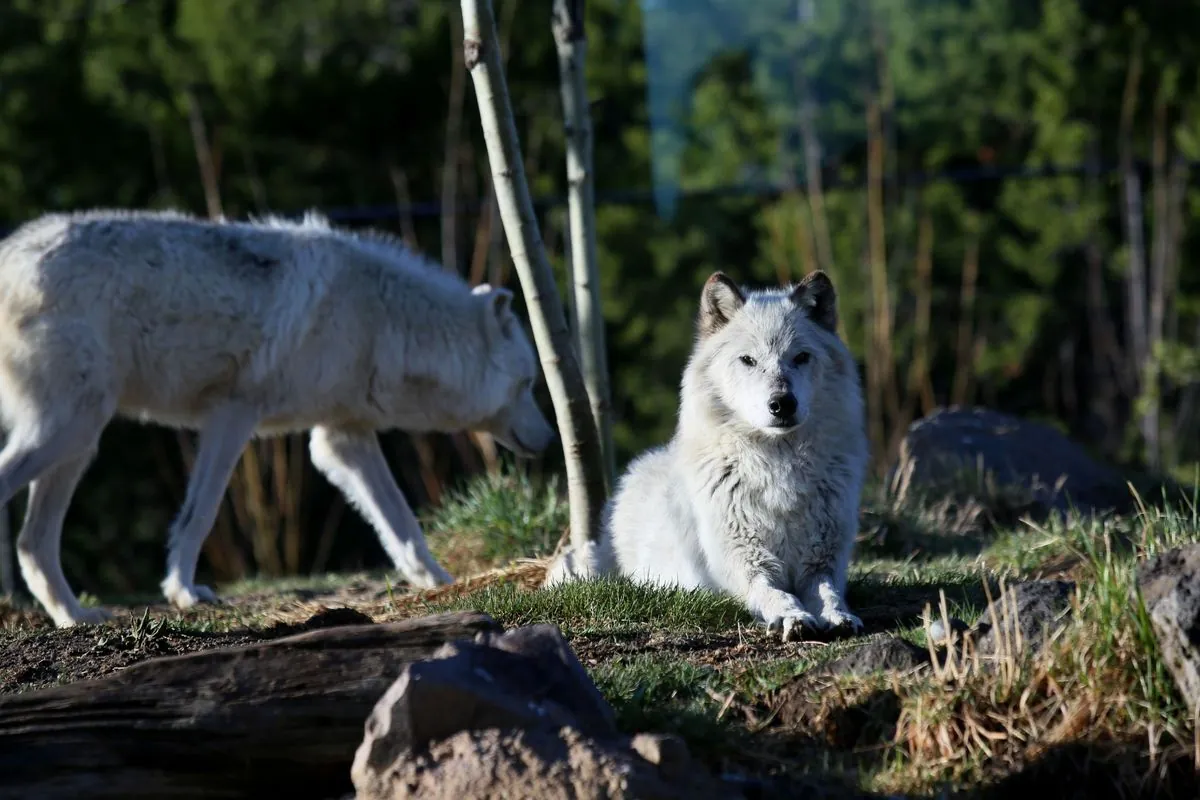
(1137, 323)
(571, 41)
(408, 229)
(8, 578)
(450, 163)
(811, 143)
(204, 156)
(886, 394)
(1178, 195)
(580, 440)
(964, 369)
(1159, 254)
(920, 385)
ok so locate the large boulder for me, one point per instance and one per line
(1170, 587)
(1043, 470)
(546, 764)
(513, 715)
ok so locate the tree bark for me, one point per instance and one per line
(580, 439)
(277, 719)
(571, 42)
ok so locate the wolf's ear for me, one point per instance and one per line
(502, 304)
(816, 296)
(721, 300)
(498, 305)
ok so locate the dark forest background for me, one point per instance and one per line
(1001, 189)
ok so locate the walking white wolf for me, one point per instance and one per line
(757, 492)
(238, 330)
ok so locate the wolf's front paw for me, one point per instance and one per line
(82, 616)
(793, 624)
(421, 577)
(420, 570)
(184, 597)
(840, 619)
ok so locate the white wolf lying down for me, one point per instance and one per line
(240, 330)
(757, 493)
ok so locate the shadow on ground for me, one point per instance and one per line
(1083, 771)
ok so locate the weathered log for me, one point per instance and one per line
(278, 719)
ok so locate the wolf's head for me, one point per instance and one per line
(513, 416)
(761, 354)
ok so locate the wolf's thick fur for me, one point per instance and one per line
(757, 493)
(237, 330)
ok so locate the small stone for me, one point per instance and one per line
(889, 653)
(938, 633)
(666, 751)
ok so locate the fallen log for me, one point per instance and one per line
(278, 719)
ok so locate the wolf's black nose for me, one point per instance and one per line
(782, 406)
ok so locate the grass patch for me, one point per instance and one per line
(1101, 688)
(606, 605)
(654, 693)
(495, 519)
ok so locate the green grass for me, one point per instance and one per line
(607, 605)
(655, 693)
(495, 519)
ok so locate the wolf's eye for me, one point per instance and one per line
(747, 360)
(801, 358)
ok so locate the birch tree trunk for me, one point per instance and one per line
(571, 42)
(580, 439)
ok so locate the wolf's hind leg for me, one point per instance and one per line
(49, 454)
(39, 544)
(220, 445)
(353, 462)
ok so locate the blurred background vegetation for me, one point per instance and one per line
(1001, 189)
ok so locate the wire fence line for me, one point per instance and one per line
(764, 189)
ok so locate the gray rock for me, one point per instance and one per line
(513, 715)
(888, 654)
(525, 678)
(1034, 609)
(1048, 469)
(545, 763)
(1170, 587)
